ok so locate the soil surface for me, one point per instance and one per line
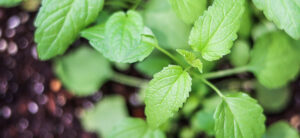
(33, 102)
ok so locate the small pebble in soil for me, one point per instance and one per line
(3, 45)
(33, 108)
(24, 17)
(23, 124)
(55, 85)
(13, 22)
(97, 96)
(34, 52)
(134, 99)
(3, 86)
(38, 88)
(61, 100)
(10, 33)
(42, 99)
(87, 104)
(68, 118)
(295, 121)
(12, 48)
(23, 43)
(6, 112)
(0, 32)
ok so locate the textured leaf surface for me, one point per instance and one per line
(274, 60)
(188, 10)
(82, 77)
(59, 22)
(123, 38)
(106, 115)
(281, 129)
(191, 58)
(166, 93)
(239, 116)
(135, 128)
(9, 3)
(284, 13)
(214, 32)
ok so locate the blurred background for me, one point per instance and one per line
(69, 97)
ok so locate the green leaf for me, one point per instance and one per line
(239, 116)
(152, 64)
(262, 29)
(171, 32)
(123, 38)
(203, 121)
(274, 60)
(191, 58)
(214, 32)
(273, 100)
(240, 54)
(9, 3)
(106, 115)
(246, 21)
(59, 22)
(284, 13)
(188, 10)
(81, 77)
(135, 128)
(166, 93)
(281, 129)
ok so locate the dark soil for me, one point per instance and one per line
(32, 101)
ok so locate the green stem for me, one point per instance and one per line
(213, 87)
(136, 4)
(168, 54)
(129, 80)
(224, 73)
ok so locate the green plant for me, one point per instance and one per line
(122, 36)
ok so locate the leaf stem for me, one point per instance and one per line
(213, 87)
(224, 73)
(136, 4)
(129, 80)
(168, 54)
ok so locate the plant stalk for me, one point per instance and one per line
(129, 80)
(224, 73)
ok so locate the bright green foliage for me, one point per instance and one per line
(203, 121)
(190, 105)
(274, 60)
(188, 10)
(123, 38)
(281, 129)
(246, 21)
(152, 64)
(240, 54)
(171, 32)
(9, 3)
(262, 29)
(135, 128)
(191, 58)
(214, 32)
(59, 22)
(284, 13)
(79, 76)
(106, 115)
(166, 93)
(273, 100)
(186, 132)
(239, 116)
